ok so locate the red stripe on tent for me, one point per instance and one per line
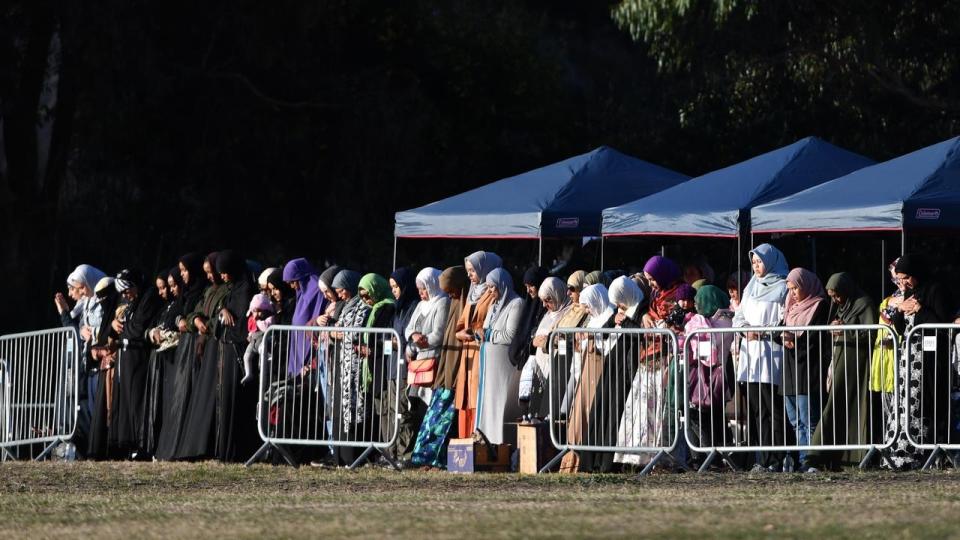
(851, 229)
(704, 235)
(470, 236)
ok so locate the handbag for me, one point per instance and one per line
(421, 372)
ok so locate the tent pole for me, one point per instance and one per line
(903, 241)
(394, 251)
(739, 264)
(601, 252)
(883, 271)
(540, 251)
(663, 250)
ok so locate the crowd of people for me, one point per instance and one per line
(170, 361)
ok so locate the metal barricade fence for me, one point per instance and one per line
(612, 397)
(790, 391)
(332, 387)
(932, 406)
(38, 387)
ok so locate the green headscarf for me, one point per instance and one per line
(709, 299)
(379, 290)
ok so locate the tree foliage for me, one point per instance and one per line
(879, 77)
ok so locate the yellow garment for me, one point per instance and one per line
(881, 364)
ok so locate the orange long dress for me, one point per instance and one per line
(468, 373)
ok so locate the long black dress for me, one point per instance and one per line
(160, 378)
(235, 433)
(196, 437)
(180, 375)
(131, 371)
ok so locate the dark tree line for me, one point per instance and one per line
(133, 131)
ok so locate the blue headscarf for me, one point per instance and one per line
(772, 287)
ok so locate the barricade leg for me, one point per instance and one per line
(932, 458)
(866, 459)
(708, 461)
(280, 450)
(49, 448)
(553, 462)
(653, 463)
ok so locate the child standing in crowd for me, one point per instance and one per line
(259, 318)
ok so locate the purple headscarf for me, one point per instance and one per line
(310, 305)
(664, 271)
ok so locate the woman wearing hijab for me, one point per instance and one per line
(497, 394)
(575, 284)
(303, 279)
(195, 436)
(431, 445)
(163, 339)
(616, 373)
(522, 348)
(85, 316)
(349, 403)
(479, 301)
(103, 351)
(192, 282)
(533, 390)
(803, 373)
(844, 418)
(143, 306)
(759, 369)
(374, 292)
(283, 297)
(234, 433)
(424, 338)
(707, 354)
(927, 415)
(586, 370)
(326, 349)
(645, 413)
(404, 289)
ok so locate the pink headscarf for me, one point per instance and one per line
(801, 313)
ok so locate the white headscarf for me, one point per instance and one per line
(483, 262)
(553, 289)
(429, 279)
(499, 279)
(625, 291)
(595, 297)
(262, 280)
(85, 275)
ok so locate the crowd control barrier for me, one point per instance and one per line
(330, 386)
(612, 395)
(932, 403)
(38, 389)
(791, 390)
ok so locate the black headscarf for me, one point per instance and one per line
(191, 293)
(936, 304)
(175, 305)
(857, 308)
(212, 260)
(409, 298)
(533, 311)
(233, 264)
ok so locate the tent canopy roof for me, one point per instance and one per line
(711, 205)
(561, 199)
(919, 189)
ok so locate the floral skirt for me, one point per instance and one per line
(434, 435)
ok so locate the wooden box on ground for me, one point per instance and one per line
(536, 450)
(469, 456)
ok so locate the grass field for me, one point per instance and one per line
(134, 500)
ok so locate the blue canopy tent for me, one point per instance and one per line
(718, 204)
(919, 190)
(559, 200)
